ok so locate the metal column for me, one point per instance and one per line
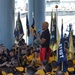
(7, 23)
(30, 11)
(38, 8)
(39, 11)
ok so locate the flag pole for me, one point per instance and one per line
(26, 29)
(62, 66)
(56, 26)
(26, 35)
(33, 32)
(62, 38)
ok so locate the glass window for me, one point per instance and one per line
(66, 11)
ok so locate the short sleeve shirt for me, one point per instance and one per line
(46, 35)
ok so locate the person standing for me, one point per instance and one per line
(44, 39)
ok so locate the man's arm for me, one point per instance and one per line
(3, 64)
(42, 40)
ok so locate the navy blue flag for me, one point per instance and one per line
(27, 25)
(61, 52)
(19, 29)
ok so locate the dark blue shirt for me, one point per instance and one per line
(46, 35)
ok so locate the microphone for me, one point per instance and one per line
(39, 31)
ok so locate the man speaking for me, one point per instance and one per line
(44, 38)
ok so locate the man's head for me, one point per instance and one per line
(11, 53)
(65, 35)
(48, 67)
(54, 64)
(1, 51)
(36, 53)
(44, 62)
(30, 71)
(45, 25)
(70, 63)
(59, 73)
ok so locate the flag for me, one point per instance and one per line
(61, 56)
(33, 32)
(27, 26)
(62, 29)
(53, 29)
(55, 36)
(71, 47)
(19, 29)
(61, 52)
(33, 28)
(35, 38)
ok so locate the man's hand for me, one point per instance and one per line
(38, 34)
(42, 40)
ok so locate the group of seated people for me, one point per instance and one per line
(24, 59)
